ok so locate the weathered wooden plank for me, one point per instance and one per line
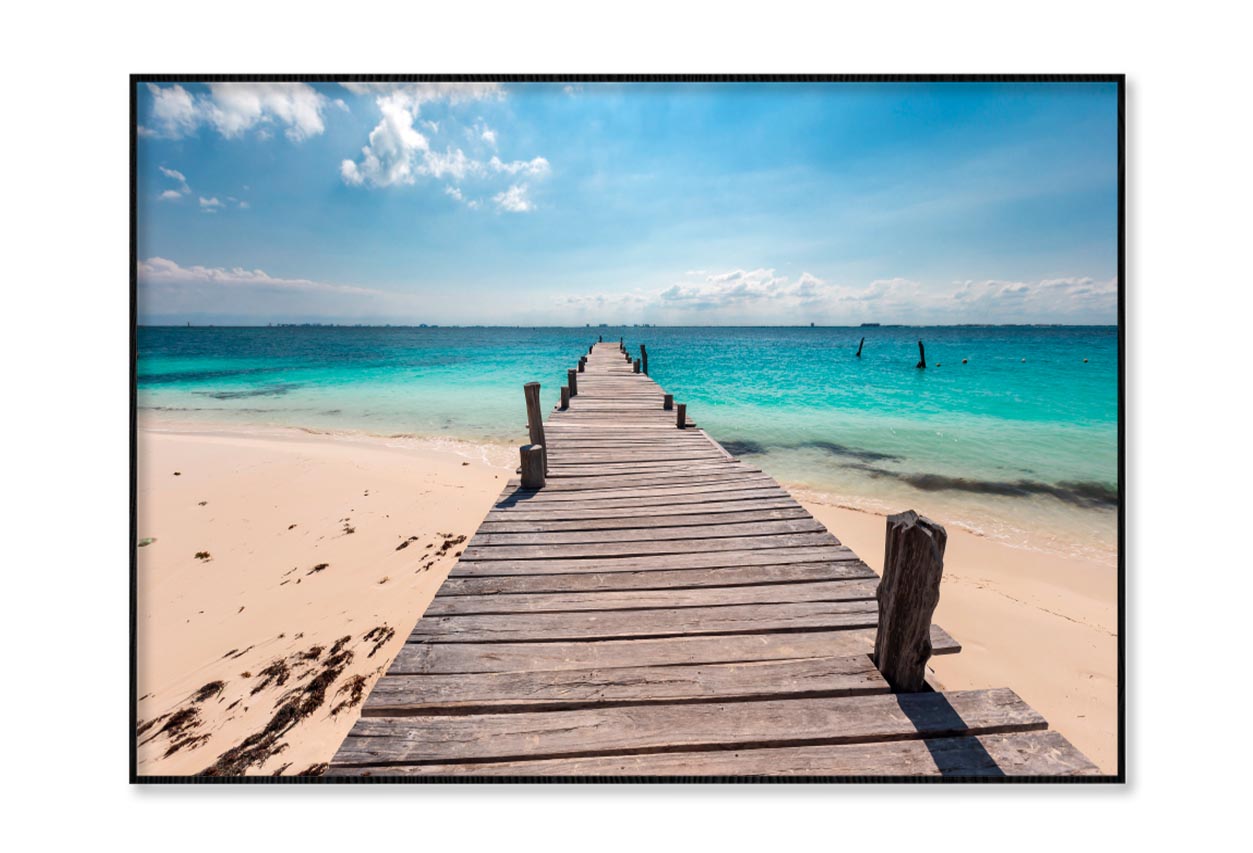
(571, 688)
(599, 731)
(418, 658)
(655, 580)
(617, 624)
(834, 590)
(709, 531)
(481, 553)
(659, 562)
(506, 523)
(578, 512)
(912, 566)
(1034, 753)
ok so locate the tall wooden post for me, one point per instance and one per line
(534, 419)
(572, 379)
(534, 461)
(644, 359)
(667, 402)
(913, 561)
(922, 356)
(582, 363)
(565, 396)
(680, 417)
(600, 339)
(636, 368)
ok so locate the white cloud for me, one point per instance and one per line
(232, 109)
(764, 295)
(417, 94)
(168, 291)
(209, 205)
(243, 205)
(175, 175)
(536, 166)
(514, 199)
(455, 192)
(158, 270)
(170, 195)
(398, 154)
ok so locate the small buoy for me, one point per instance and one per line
(1085, 361)
(1024, 361)
(963, 361)
(937, 364)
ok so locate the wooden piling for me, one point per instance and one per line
(913, 562)
(533, 463)
(636, 367)
(582, 364)
(859, 346)
(572, 379)
(922, 356)
(680, 418)
(667, 402)
(534, 418)
(565, 397)
(644, 359)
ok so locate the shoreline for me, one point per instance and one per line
(1040, 623)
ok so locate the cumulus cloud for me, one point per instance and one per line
(764, 295)
(157, 270)
(170, 195)
(514, 199)
(398, 153)
(232, 109)
(210, 204)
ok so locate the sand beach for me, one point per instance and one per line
(286, 567)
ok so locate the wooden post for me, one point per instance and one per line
(644, 359)
(680, 418)
(534, 419)
(859, 346)
(582, 363)
(667, 402)
(913, 562)
(922, 356)
(637, 366)
(600, 339)
(572, 379)
(565, 396)
(533, 462)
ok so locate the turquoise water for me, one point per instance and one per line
(1019, 443)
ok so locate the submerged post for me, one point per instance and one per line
(644, 359)
(637, 366)
(667, 402)
(922, 356)
(913, 562)
(533, 463)
(859, 346)
(572, 379)
(565, 396)
(680, 417)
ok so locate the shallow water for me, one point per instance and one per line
(1018, 443)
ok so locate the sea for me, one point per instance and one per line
(1010, 432)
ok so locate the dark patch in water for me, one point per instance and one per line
(1086, 493)
(851, 452)
(265, 391)
(198, 375)
(743, 447)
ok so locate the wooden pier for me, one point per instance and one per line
(660, 608)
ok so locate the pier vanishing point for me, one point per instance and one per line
(640, 603)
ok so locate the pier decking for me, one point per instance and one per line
(660, 608)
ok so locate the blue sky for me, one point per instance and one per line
(627, 203)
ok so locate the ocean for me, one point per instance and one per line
(1010, 431)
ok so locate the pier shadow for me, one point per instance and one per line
(516, 497)
(954, 749)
